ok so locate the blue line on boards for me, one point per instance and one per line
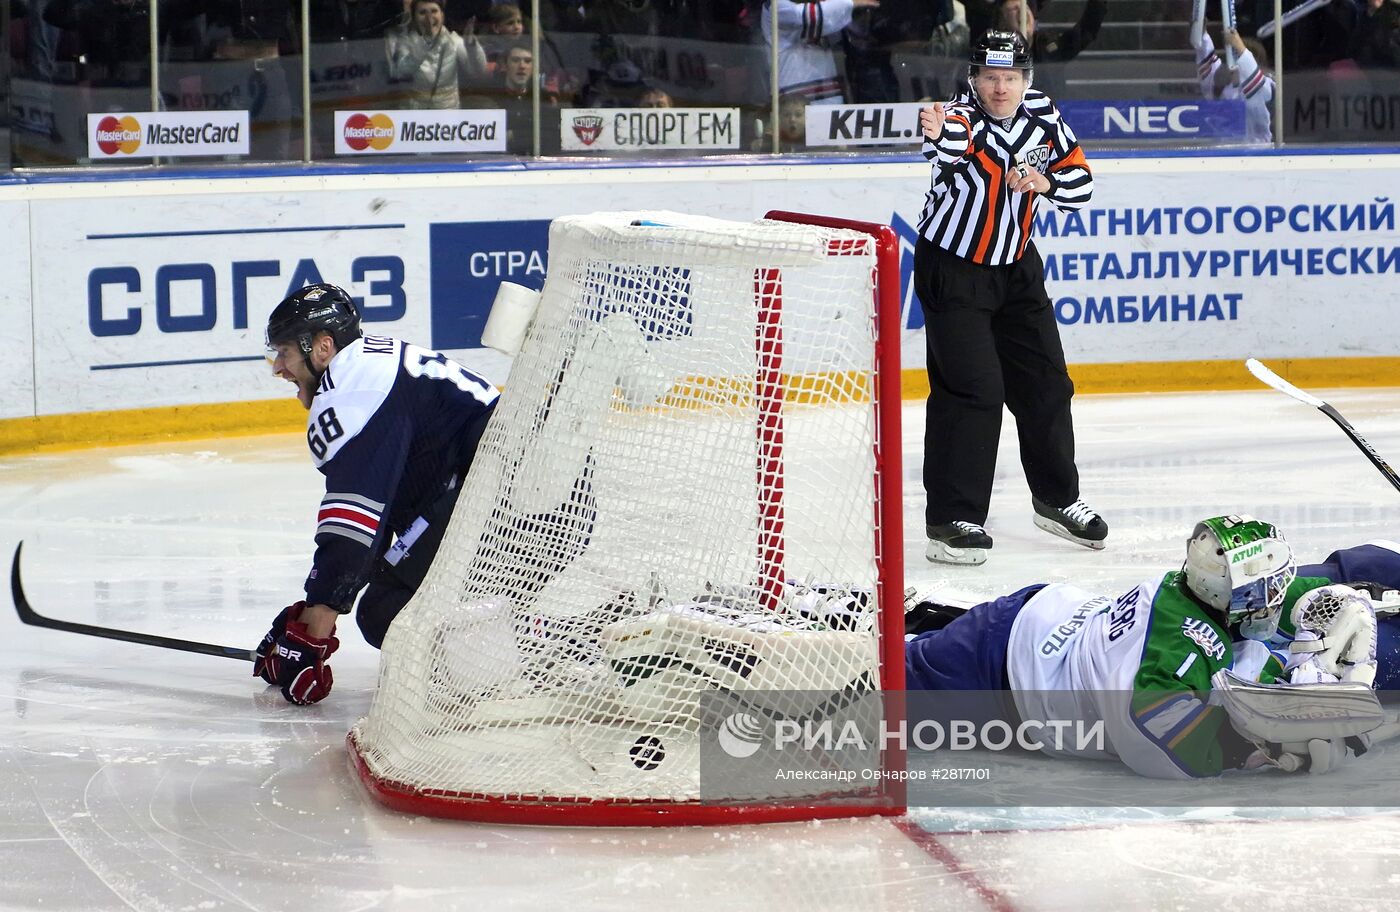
(217, 231)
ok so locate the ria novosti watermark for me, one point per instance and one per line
(976, 749)
(743, 734)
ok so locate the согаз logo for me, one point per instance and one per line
(741, 735)
(364, 132)
(115, 135)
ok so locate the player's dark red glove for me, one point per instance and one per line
(294, 660)
(262, 667)
(301, 664)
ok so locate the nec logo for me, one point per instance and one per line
(1221, 118)
(1152, 119)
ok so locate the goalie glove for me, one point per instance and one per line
(1336, 637)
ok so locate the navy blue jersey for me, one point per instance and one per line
(391, 426)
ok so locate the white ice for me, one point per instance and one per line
(139, 778)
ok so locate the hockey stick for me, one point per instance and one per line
(1283, 386)
(29, 616)
(1227, 25)
(1266, 28)
(1198, 22)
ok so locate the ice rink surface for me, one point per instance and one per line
(140, 778)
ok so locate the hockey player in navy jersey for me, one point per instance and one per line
(393, 428)
(1141, 661)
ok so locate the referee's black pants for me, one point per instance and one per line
(992, 340)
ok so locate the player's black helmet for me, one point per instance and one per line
(314, 309)
(1005, 50)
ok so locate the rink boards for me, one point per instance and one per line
(145, 299)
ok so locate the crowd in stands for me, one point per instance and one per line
(446, 54)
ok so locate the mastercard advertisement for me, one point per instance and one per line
(409, 132)
(146, 134)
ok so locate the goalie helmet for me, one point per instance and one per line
(320, 308)
(1239, 566)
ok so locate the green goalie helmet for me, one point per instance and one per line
(1240, 566)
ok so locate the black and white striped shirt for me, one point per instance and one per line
(969, 210)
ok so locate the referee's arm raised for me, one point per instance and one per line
(948, 132)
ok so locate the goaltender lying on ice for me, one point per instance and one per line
(1200, 671)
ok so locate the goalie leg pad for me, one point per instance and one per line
(1296, 713)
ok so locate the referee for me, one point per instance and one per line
(992, 336)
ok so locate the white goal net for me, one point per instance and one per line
(690, 485)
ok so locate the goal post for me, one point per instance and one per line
(690, 490)
(887, 303)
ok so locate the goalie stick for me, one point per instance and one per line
(1283, 386)
(28, 615)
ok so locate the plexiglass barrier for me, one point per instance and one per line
(121, 83)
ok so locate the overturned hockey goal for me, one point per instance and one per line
(691, 486)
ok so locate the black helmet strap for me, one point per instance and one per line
(306, 342)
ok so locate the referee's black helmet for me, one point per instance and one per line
(1003, 50)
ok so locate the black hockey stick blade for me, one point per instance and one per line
(1283, 386)
(28, 615)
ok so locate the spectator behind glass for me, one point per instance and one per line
(619, 86)
(1051, 47)
(509, 90)
(432, 58)
(791, 124)
(113, 47)
(654, 98)
(241, 55)
(1247, 81)
(1060, 47)
(875, 35)
(499, 27)
(39, 40)
(1376, 42)
(517, 69)
(984, 14)
(252, 29)
(353, 20)
(807, 33)
(347, 60)
(503, 19)
(1315, 41)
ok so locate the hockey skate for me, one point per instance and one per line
(958, 543)
(1078, 522)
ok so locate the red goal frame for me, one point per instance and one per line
(884, 798)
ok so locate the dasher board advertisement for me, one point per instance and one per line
(390, 132)
(146, 134)
(637, 129)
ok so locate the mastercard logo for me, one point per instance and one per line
(369, 132)
(118, 135)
